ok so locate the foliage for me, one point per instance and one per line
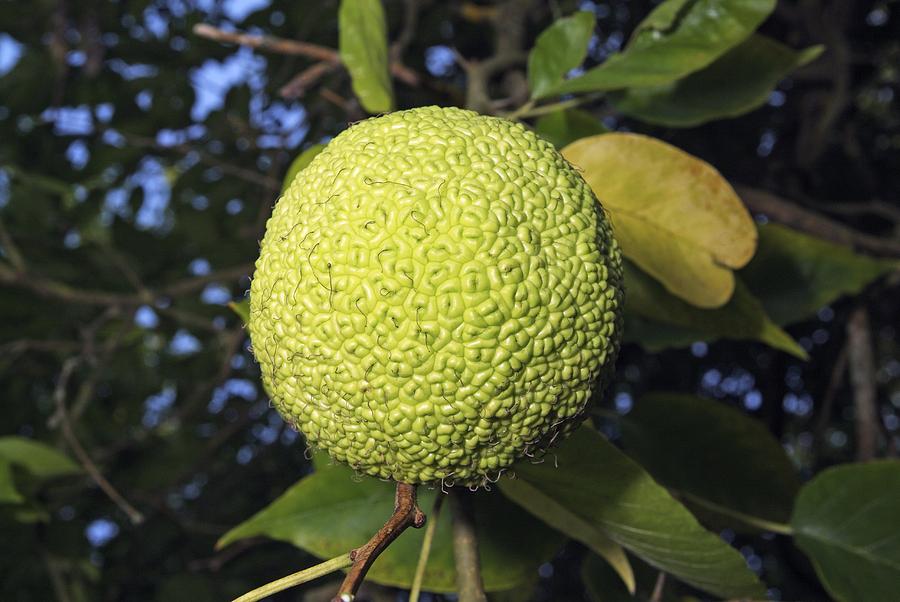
(139, 162)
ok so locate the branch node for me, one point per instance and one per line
(406, 514)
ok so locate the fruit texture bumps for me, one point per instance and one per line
(436, 295)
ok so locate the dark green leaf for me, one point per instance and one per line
(242, 309)
(603, 585)
(743, 317)
(713, 455)
(302, 160)
(588, 533)
(847, 520)
(737, 82)
(795, 274)
(594, 481)
(330, 512)
(559, 49)
(677, 38)
(364, 51)
(8, 492)
(562, 127)
(39, 459)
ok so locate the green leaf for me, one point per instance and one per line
(300, 163)
(9, 494)
(559, 49)
(847, 520)
(602, 487)
(242, 309)
(329, 513)
(742, 318)
(795, 274)
(40, 460)
(564, 127)
(676, 39)
(363, 47)
(591, 535)
(737, 82)
(714, 456)
(674, 215)
(603, 585)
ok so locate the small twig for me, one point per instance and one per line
(320, 570)
(465, 549)
(53, 289)
(411, 10)
(305, 79)
(59, 397)
(791, 214)
(861, 363)
(406, 514)
(215, 563)
(292, 47)
(339, 101)
(10, 249)
(834, 384)
(509, 39)
(425, 552)
(57, 580)
(270, 43)
(657, 594)
(243, 173)
(883, 209)
(530, 110)
(13, 348)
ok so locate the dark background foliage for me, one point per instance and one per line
(138, 164)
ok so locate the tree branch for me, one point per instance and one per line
(59, 396)
(465, 549)
(509, 38)
(790, 214)
(861, 363)
(8, 246)
(60, 291)
(406, 514)
(294, 48)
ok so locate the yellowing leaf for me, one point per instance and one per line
(674, 215)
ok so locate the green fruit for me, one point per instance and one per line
(436, 295)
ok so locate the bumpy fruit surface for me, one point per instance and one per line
(436, 295)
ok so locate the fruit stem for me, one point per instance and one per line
(406, 514)
(320, 570)
(426, 548)
(465, 549)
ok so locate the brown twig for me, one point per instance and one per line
(10, 249)
(60, 291)
(658, 588)
(790, 214)
(90, 468)
(269, 43)
(298, 84)
(465, 549)
(827, 23)
(406, 514)
(292, 47)
(882, 209)
(248, 175)
(834, 384)
(861, 364)
(509, 33)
